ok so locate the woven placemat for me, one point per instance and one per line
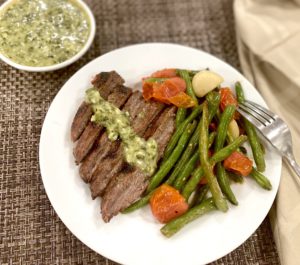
(30, 230)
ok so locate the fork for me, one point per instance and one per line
(273, 128)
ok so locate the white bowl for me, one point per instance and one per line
(65, 63)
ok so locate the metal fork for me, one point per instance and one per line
(273, 128)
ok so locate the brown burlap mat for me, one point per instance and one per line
(30, 230)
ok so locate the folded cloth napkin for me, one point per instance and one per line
(268, 38)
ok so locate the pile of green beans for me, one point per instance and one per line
(188, 167)
(217, 157)
(192, 146)
(186, 158)
(169, 163)
(179, 130)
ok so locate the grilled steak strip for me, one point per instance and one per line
(104, 82)
(128, 185)
(104, 146)
(80, 120)
(114, 162)
(118, 97)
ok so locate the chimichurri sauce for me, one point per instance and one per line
(43, 32)
(137, 151)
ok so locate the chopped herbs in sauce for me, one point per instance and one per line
(43, 32)
(137, 151)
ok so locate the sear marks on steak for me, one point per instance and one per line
(114, 162)
(80, 120)
(104, 146)
(104, 82)
(118, 98)
(128, 185)
(147, 115)
(105, 171)
(164, 130)
(107, 77)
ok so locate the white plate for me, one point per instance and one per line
(135, 238)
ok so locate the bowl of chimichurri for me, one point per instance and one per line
(44, 35)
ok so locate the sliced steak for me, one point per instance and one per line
(113, 163)
(104, 82)
(80, 120)
(134, 105)
(109, 78)
(128, 185)
(118, 97)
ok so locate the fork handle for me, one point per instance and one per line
(289, 157)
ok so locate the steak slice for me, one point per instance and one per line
(133, 105)
(114, 162)
(104, 82)
(128, 185)
(118, 98)
(80, 120)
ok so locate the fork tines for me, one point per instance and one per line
(257, 114)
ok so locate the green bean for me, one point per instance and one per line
(239, 92)
(199, 195)
(180, 116)
(191, 185)
(207, 168)
(225, 185)
(211, 138)
(229, 137)
(235, 177)
(217, 157)
(204, 189)
(213, 106)
(222, 130)
(257, 151)
(225, 119)
(169, 163)
(139, 203)
(184, 74)
(181, 128)
(186, 172)
(213, 99)
(261, 179)
(176, 224)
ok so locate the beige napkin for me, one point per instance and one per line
(268, 37)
